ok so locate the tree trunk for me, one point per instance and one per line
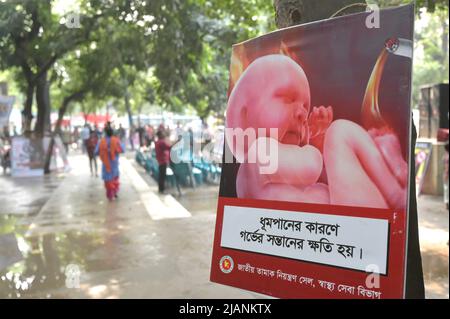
(57, 130)
(27, 114)
(84, 109)
(130, 116)
(128, 107)
(43, 104)
(444, 40)
(293, 12)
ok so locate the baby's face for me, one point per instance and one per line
(277, 96)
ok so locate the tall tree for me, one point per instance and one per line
(32, 38)
(431, 64)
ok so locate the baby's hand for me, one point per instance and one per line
(319, 120)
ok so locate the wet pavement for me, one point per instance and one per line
(26, 196)
(140, 246)
(121, 249)
(433, 236)
(201, 200)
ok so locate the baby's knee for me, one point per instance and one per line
(337, 130)
(342, 130)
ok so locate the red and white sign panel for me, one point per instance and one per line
(314, 188)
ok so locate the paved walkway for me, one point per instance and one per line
(433, 235)
(139, 246)
(142, 245)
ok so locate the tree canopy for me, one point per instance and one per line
(170, 53)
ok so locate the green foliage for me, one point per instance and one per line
(431, 63)
(220, 25)
(31, 34)
(430, 5)
(172, 53)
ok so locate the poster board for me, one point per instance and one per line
(314, 190)
(27, 156)
(422, 154)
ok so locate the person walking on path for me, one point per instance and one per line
(109, 148)
(91, 145)
(149, 135)
(141, 133)
(122, 134)
(98, 131)
(66, 139)
(85, 132)
(162, 149)
(76, 137)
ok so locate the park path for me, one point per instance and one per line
(142, 245)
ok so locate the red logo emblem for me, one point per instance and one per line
(392, 44)
(226, 264)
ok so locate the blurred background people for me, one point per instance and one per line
(162, 149)
(85, 133)
(66, 137)
(91, 144)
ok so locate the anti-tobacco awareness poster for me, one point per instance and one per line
(314, 188)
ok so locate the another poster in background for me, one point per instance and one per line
(422, 158)
(313, 200)
(27, 156)
(6, 104)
